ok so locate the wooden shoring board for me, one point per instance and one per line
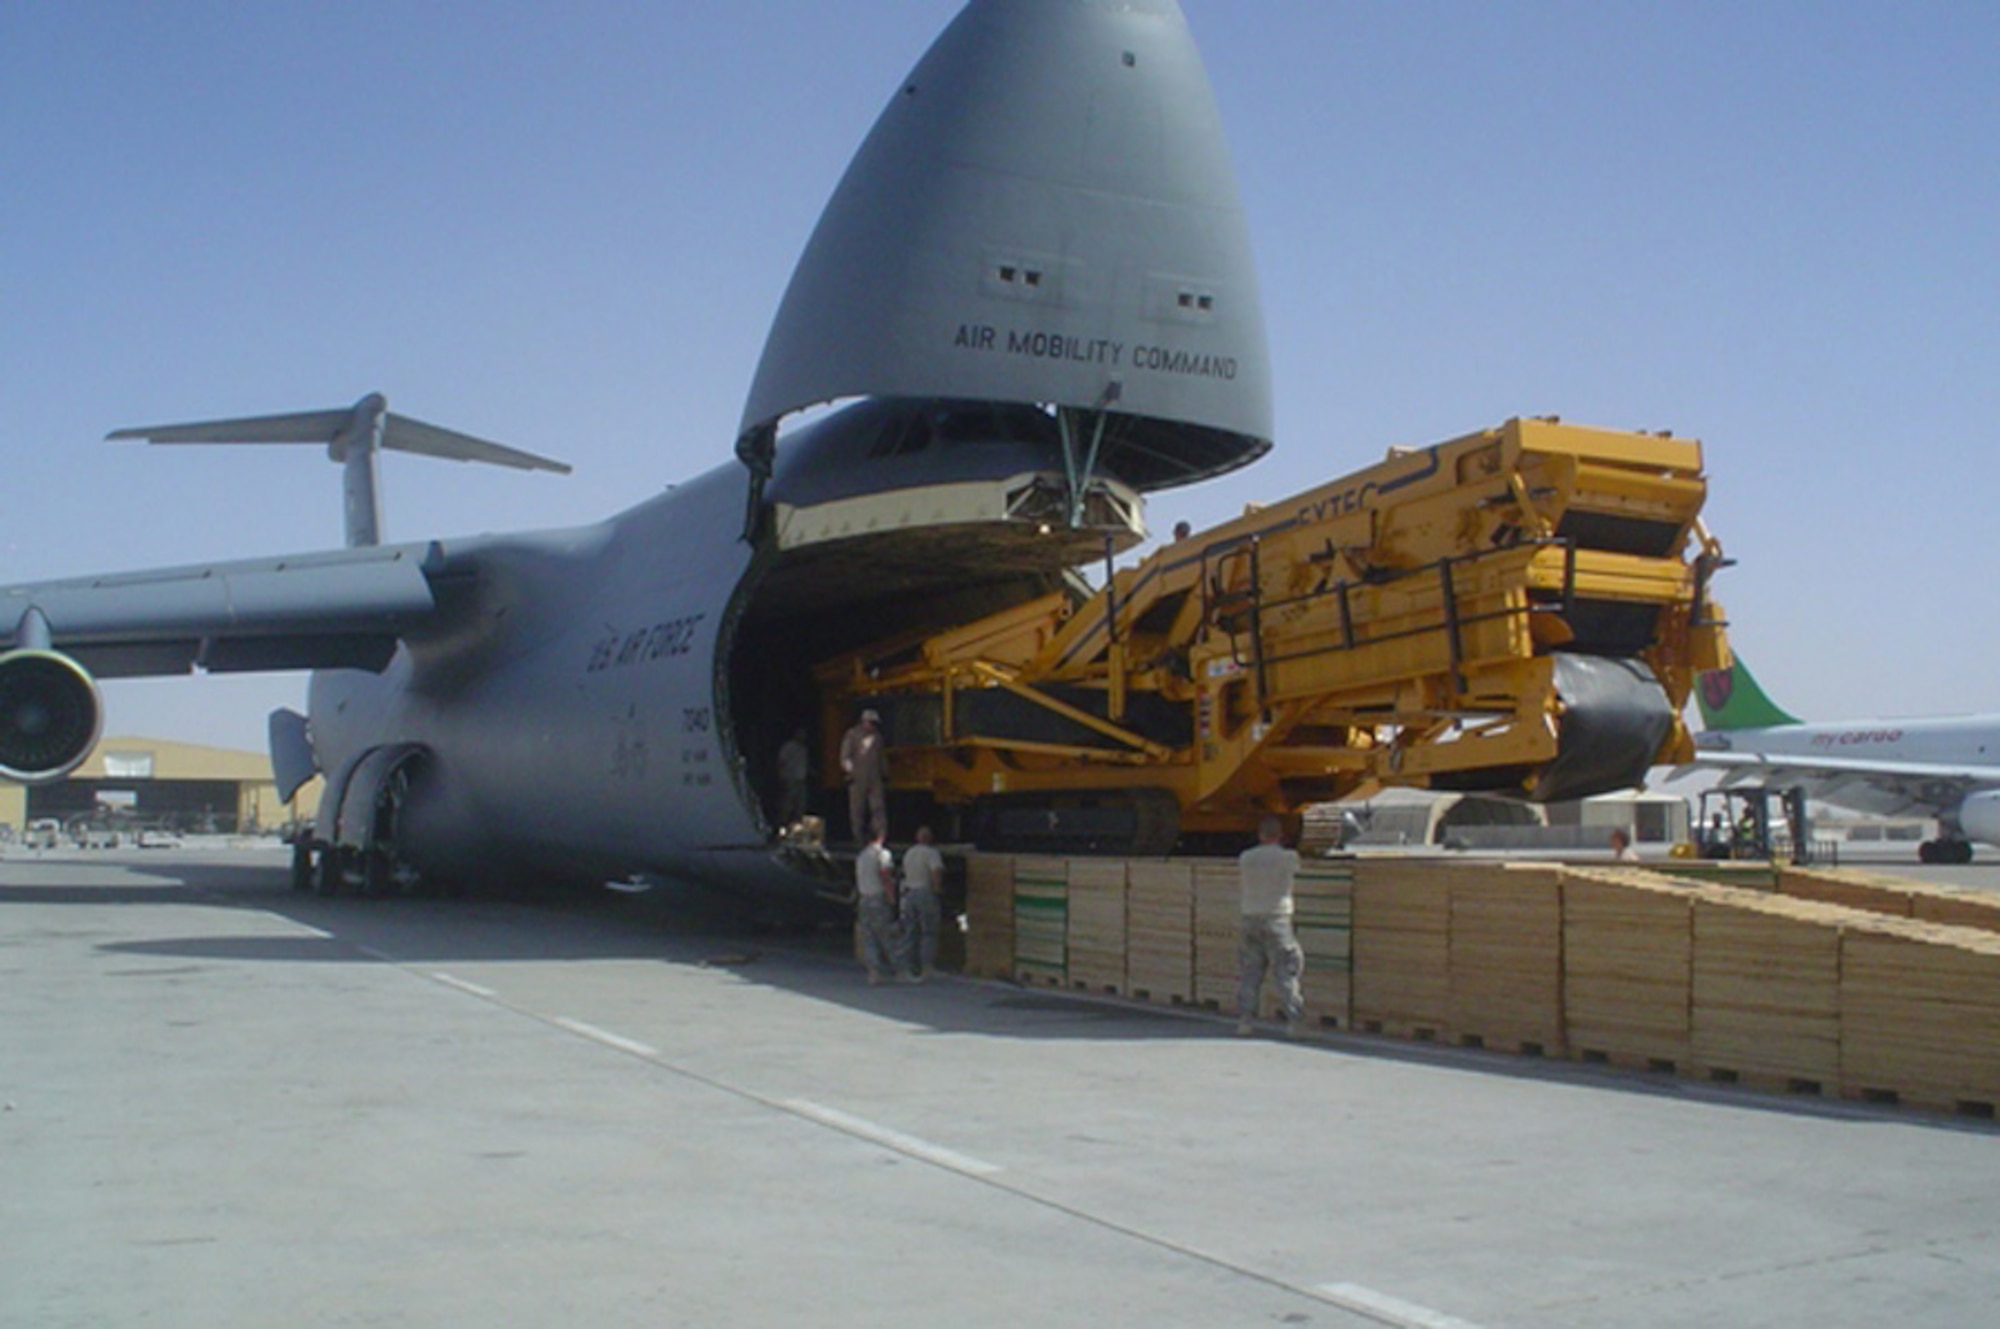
(1506, 955)
(1765, 987)
(1920, 1011)
(1957, 906)
(1323, 918)
(1628, 942)
(1401, 944)
(1323, 894)
(1041, 919)
(1845, 886)
(1749, 875)
(1159, 930)
(989, 915)
(1900, 897)
(1096, 919)
(1328, 989)
(1218, 930)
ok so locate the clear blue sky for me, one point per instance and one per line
(1774, 226)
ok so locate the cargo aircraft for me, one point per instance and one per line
(1029, 302)
(1947, 767)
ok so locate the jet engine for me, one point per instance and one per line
(50, 715)
(1979, 816)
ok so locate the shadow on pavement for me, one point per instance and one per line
(690, 927)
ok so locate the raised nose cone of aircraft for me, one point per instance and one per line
(1045, 215)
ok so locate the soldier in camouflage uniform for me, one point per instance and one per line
(1267, 940)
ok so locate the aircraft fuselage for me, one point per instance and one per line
(1972, 740)
(570, 698)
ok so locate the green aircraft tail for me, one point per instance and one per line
(1730, 699)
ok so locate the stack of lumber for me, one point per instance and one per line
(1402, 952)
(1765, 989)
(1960, 906)
(1041, 919)
(989, 916)
(1848, 887)
(1323, 899)
(1920, 1013)
(1900, 897)
(1097, 924)
(1159, 930)
(1628, 937)
(1834, 979)
(1506, 958)
(1218, 930)
(1747, 874)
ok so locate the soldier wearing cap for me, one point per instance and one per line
(865, 766)
(1267, 941)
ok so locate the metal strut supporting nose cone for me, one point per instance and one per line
(1045, 213)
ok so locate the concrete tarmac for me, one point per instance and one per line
(224, 1104)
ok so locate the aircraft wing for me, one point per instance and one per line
(1882, 788)
(339, 609)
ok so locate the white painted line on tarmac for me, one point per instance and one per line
(606, 1037)
(894, 1139)
(1387, 1309)
(464, 986)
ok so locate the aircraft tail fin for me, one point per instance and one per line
(1731, 699)
(352, 436)
(333, 428)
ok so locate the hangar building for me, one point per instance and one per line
(149, 782)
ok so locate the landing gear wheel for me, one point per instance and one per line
(376, 877)
(302, 866)
(328, 882)
(382, 873)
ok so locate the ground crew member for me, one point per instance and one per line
(864, 763)
(793, 769)
(1621, 846)
(1267, 940)
(875, 906)
(920, 911)
(1746, 836)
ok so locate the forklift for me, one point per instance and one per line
(1741, 821)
